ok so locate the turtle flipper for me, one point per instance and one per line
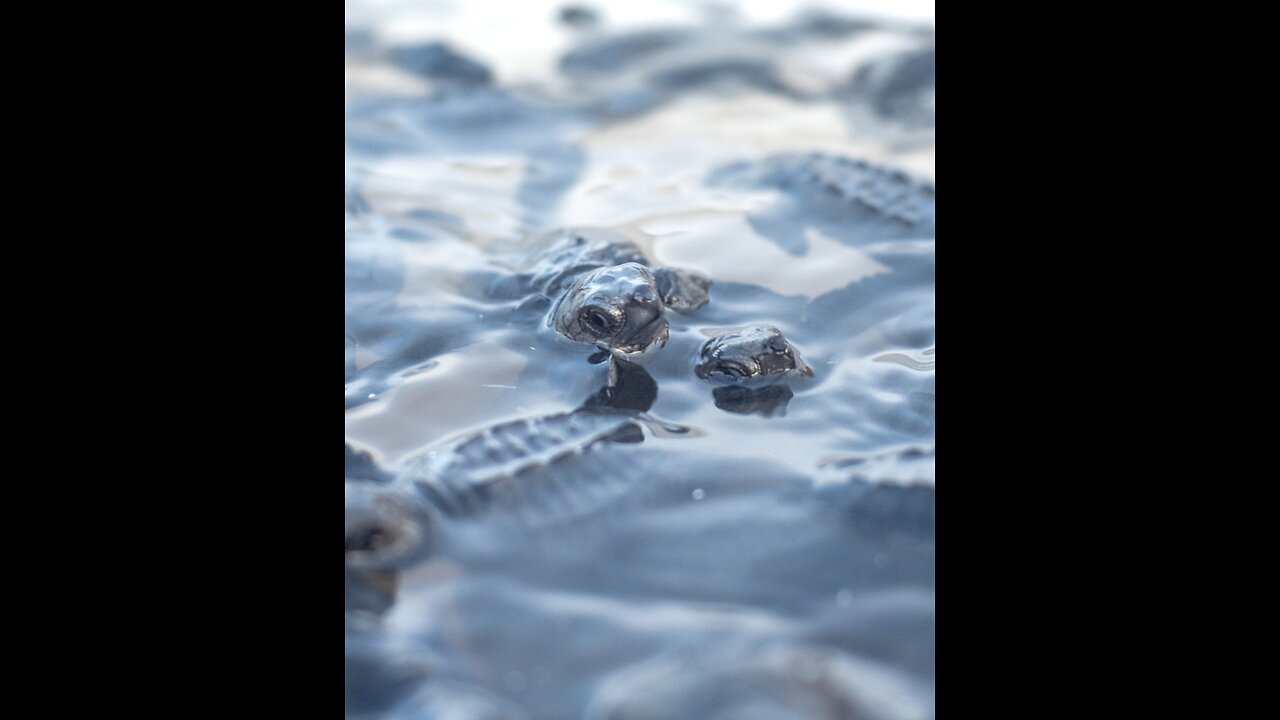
(682, 290)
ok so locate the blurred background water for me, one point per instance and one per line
(722, 554)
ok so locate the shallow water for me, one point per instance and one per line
(623, 541)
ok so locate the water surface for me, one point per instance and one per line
(723, 553)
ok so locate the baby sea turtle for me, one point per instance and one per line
(757, 353)
(750, 367)
(631, 72)
(604, 292)
(851, 201)
(538, 468)
(546, 466)
(386, 531)
(893, 96)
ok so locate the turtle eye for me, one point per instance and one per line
(598, 321)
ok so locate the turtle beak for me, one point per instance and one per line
(646, 322)
(653, 333)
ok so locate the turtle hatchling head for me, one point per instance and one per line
(750, 354)
(386, 530)
(617, 307)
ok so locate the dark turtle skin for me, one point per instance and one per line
(754, 354)
(603, 291)
(616, 307)
(749, 366)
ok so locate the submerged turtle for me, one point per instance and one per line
(892, 96)
(386, 531)
(851, 201)
(631, 72)
(544, 466)
(604, 292)
(536, 468)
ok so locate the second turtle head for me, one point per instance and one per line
(750, 354)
